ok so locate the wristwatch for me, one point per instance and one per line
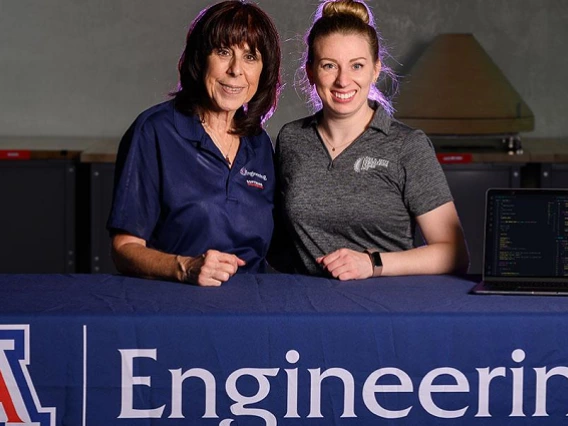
(376, 261)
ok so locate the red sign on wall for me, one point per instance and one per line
(454, 158)
(14, 154)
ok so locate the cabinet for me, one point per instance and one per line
(469, 184)
(553, 175)
(38, 217)
(97, 177)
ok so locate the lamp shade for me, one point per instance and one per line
(456, 88)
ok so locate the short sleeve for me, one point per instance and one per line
(136, 201)
(426, 187)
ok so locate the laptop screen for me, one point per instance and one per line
(526, 233)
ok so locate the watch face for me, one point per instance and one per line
(377, 259)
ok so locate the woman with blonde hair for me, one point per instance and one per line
(353, 181)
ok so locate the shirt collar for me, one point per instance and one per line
(381, 120)
(190, 128)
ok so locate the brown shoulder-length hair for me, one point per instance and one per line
(231, 23)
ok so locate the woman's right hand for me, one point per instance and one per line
(211, 269)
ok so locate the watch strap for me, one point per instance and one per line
(376, 261)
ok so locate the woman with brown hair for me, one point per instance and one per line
(194, 179)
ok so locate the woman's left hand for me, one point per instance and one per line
(212, 268)
(345, 264)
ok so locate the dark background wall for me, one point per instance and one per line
(77, 68)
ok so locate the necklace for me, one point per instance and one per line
(326, 142)
(210, 132)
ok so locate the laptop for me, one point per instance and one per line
(525, 242)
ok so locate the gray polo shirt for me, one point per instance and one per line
(367, 197)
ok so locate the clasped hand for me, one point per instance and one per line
(346, 264)
(211, 269)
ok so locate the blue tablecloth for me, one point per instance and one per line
(278, 350)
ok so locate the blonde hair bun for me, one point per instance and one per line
(346, 7)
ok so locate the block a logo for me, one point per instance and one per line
(19, 404)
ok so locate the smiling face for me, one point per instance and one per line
(232, 77)
(343, 71)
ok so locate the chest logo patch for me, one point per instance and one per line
(254, 179)
(367, 163)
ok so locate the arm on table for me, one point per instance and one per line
(132, 257)
(445, 252)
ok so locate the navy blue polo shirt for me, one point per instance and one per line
(174, 189)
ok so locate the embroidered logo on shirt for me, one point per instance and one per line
(255, 184)
(255, 178)
(366, 163)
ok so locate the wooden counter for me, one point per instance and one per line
(102, 151)
(547, 150)
(535, 150)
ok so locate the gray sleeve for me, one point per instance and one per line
(426, 187)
